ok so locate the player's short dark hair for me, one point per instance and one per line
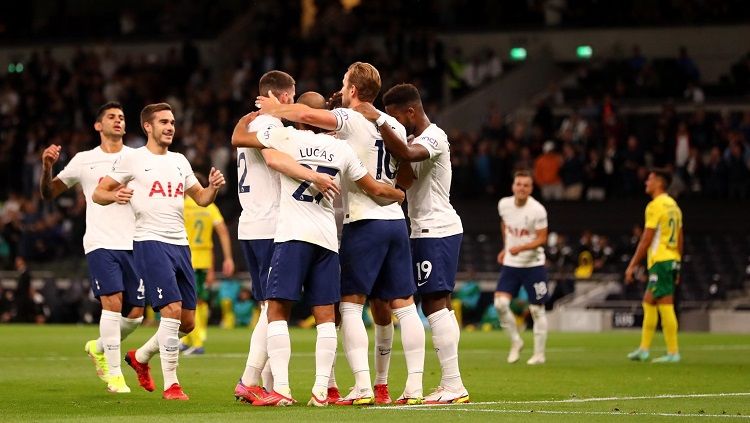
(366, 78)
(402, 95)
(663, 174)
(147, 114)
(275, 81)
(106, 106)
(524, 173)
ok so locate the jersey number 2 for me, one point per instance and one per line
(241, 187)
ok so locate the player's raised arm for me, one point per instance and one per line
(111, 191)
(374, 189)
(393, 142)
(242, 138)
(50, 188)
(204, 196)
(301, 113)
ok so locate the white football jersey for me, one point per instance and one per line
(365, 139)
(257, 187)
(304, 213)
(159, 182)
(430, 210)
(521, 224)
(88, 168)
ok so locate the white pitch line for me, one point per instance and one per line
(573, 400)
(560, 412)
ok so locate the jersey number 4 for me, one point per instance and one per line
(300, 195)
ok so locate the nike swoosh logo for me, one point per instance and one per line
(140, 297)
(91, 167)
(420, 284)
(146, 170)
(384, 352)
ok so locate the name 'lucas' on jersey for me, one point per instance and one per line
(159, 182)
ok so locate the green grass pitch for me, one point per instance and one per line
(46, 376)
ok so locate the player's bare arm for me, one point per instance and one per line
(242, 138)
(373, 188)
(393, 143)
(50, 188)
(284, 163)
(204, 196)
(227, 267)
(640, 253)
(501, 254)
(110, 191)
(541, 239)
(405, 177)
(296, 112)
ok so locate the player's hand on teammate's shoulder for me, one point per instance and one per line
(50, 155)
(368, 111)
(327, 186)
(245, 120)
(216, 178)
(123, 195)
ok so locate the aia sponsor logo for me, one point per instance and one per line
(158, 190)
(517, 232)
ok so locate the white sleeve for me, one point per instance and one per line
(343, 121)
(281, 139)
(500, 208)
(431, 144)
(353, 168)
(541, 219)
(71, 174)
(122, 169)
(190, 178)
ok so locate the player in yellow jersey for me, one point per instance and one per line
(662, 243)
(200, 224)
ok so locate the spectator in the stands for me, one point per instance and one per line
(547, 172)
(715, 175)
(571, 174)
(633, 162)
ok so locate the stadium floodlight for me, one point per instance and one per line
(12, 68)
(517, 54)
(19, 67)
(584, 52)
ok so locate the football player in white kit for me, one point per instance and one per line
(375, 254)
(258, 191)
(154, 181)
(436, 229)
(524, 230)
(305, 254)
(108, 248)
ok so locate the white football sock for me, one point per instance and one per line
(332, 377)
(507, 320)
(413, 341)
(325, 353)
(147, 350)
(267, 376)
(109, 334)
(382, 352)
(128, 326)
(169, 351)
(355, 343)
(279, 353)
(444, 338)
(257, 356)
(539, 315)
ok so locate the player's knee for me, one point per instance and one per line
(537, 311)
(502, 304)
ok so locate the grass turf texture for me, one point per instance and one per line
(45, 375)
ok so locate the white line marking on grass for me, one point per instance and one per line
(576, 400)
(559, 412)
